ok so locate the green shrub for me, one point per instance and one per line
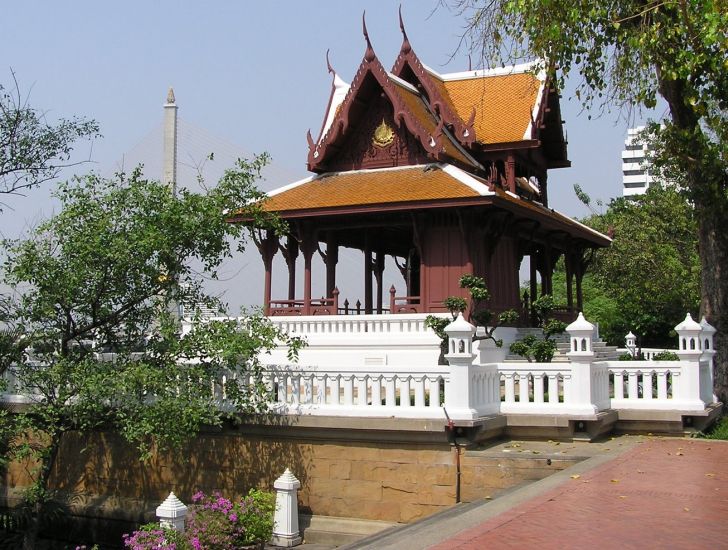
(666, 356)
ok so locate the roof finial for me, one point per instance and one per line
(406, 47)
(170, 95)
(369, 55)
(328, 64)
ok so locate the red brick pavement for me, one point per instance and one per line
(664, 493)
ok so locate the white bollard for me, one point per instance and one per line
(172, 513)
(285, 524)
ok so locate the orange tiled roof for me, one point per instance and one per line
(429, 122)
(503, 104)
(369, 187)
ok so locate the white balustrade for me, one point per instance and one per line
(384, 392)
(387, 366)
(535, 388)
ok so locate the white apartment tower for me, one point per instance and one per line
(635, 164)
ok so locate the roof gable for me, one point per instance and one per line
(378, 99)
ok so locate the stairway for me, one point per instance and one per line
(603, 351)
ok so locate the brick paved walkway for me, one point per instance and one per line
(664, 493)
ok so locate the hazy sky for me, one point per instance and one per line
(252, 74)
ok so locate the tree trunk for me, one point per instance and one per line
(712, 226)
(30, 540)
(711, 209)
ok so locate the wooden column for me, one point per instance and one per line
(569, 263)
(511, 172)
(267, 246)
(290, 253)
(378, 272)
(367, 278)
(331, 259)
(533, 265)
(579, 295)
(309, 245)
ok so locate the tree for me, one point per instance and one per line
(626, 54)
(32, 150)
(652, 268)
(100, 281)
(541, 349)
(478, 314)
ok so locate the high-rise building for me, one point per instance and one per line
(636, 176)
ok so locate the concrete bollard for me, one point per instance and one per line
(172, 513)
(285, 525)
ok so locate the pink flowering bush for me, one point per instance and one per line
(152, 537)
(214, 523)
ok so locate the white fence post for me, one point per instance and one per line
(631, 344)
(689, 352)
(458, 395)
(585, 391)
(172, 513)
(708, 337)
(285, 524)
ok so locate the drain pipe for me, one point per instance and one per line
(452, 436)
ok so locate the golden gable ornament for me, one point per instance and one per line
(383, 135)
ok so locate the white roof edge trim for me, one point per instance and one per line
(341, 88)
(577, 222)
(497, 71)
(463, 177)
(279, 190)
(432, 71)
(397, 80)
(536, 108)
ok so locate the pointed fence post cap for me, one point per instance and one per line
(171, 508)
(459, 325)
(287, 481)
(688, 325)
(580, 325)
(707, 327)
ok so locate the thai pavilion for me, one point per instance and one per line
(446, 173)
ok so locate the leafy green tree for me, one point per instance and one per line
(98, 285)
(478, 313)
(652, 268)
(33, 150)
(626, 54)
(541, 349)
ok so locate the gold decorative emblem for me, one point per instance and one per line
(383, 135)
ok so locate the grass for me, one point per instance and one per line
(719, 430)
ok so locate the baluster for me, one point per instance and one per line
(553, 388)
(283, 388)
(523, 388)
(647, 385)
(420, 391)
(320, 398)
(307, 397)
(390, 391)
(296, 389)
(404, 392)
(510, 380)
(632, 389)
(348, 390)
(361, 390)
(662, 385)
(538, 388)
(434, 391)
(335, 389)
(376, 382)
(619, 385)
